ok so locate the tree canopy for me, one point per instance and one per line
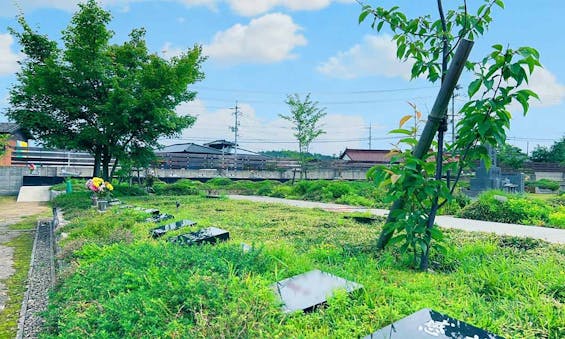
(555, 153)
(305, 117)
(112, 100)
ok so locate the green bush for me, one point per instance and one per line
(282, 191)
(125, 190)
(181, 187)
(355, 200)
(557, 218)
(543, 184)
(335, 189)
(219, 182)
(516, 209)
(77, 184)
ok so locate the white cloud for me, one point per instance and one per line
(267, 39)
(241, 7)
(376, 56)
(8, 59)
(257, 134)
(256, 7)
(545, 84)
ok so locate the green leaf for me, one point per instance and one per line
(499, 3)
(474, 87)
(363, 15)
(400, 131)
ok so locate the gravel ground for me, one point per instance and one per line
(40, 280)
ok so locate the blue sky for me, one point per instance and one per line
(261, 50)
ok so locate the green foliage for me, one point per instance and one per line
(114, 101)
(511, 156)
(181, 187)
(152, 288)
(78, 185)
(515, 209)
(413, 182)
(219, 182)
(305, 118)
(3, 143)
(544, 184)
(556, 153)
(16, 283)
(125, 190)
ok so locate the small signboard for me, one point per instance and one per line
(308, 290)
(427, 323)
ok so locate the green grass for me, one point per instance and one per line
(16, 283)
(120, 283)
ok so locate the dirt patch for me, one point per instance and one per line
(11, 211)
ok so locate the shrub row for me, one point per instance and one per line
(498, 206)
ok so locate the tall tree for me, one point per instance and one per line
(555, 153)
(112, 100)
(510, 156)
(305, 118)
(415, 183)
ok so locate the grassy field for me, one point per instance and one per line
(120, 283)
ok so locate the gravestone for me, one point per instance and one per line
(209, 235)
(114, 202)
(159, 217)
(427, 323)
(364, 219)
(308, 290)
(159, 231)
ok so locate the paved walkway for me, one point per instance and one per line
(552, 235)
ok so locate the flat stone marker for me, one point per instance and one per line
(427, 323)
(159, 217)
(362, 218)
(209, 235)
(159, 231)
(308, 290)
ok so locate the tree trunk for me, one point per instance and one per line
(97, 158)
(113, 168)
(105, 164)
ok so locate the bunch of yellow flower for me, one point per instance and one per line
(98, 185)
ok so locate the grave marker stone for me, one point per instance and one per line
(308, 290)
(427, 323)
(159, 231)
(209, 235)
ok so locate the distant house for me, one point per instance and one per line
(17, 137)
(373, 156)
(215, 154)
(189, 148)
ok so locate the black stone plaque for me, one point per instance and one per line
(209, 235)
(159, 231)
(159, 217)
(308, 290)
(427, 323)
(362, 218)
(114, 202)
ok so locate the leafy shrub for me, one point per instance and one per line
(355, 200)
(557, 218)
(282, 191)
(77, 184)
(181, 187)
(543, 184)
(124, 190)
(336, 189)
(73, 201)
(219, 182)
(516, 209)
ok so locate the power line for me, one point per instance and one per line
(367, 91)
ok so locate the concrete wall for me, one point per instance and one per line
(11, 179)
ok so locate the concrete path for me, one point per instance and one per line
(34, 193)
(552, 235)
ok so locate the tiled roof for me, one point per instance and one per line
(8, 127)
(366, 155)
(189, 148)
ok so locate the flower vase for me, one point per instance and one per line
(94, 201)
(102, 205)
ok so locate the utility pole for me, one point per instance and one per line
(370, 136)
(235, 130)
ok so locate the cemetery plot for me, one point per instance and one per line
(209, 235)
(364, 219)
(308, 290)
(159, 231)
(428, 323)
